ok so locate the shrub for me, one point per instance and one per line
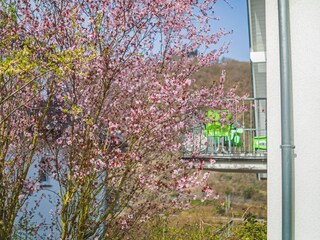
(251, 229)
(248, 193)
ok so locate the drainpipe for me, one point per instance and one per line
(287, 144)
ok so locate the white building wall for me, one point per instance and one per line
(274, 128)
(305, 29)
(305, 36)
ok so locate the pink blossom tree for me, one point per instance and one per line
(106, 92)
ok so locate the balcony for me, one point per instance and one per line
(238, 147)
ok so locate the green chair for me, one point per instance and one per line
(260, 143)
(215, 130)
(235, 137)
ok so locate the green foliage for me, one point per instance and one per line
(8, 9)
(192, 232)
(161, 231)
(248, 192)
(217, 206)
(251, 229)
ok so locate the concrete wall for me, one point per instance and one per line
(305, 36)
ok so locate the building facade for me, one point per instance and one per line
(304, 39)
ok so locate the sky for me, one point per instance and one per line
(234, 18)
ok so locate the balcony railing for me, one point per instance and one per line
(247, 135)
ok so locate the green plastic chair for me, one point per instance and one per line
(260, 143)
(236, 137)
(215, 130)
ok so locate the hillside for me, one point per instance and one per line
(238, 73)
